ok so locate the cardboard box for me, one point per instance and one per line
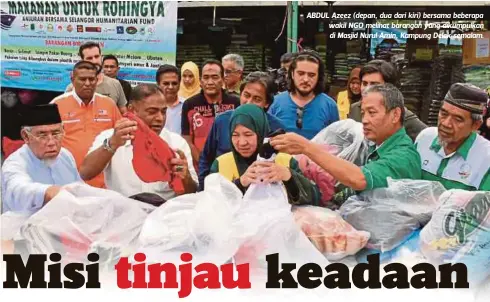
(420, 50)
(477, 51)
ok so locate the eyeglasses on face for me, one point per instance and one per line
(45, 137)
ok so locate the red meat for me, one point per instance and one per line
(152, 155)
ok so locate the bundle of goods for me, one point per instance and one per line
(392, 214)
(414, 83)
(387, 49)
(330, 234)
(82, 219)
(341, 67)
(252, 56)
(459, 232)
(478, 75)
(195, 53)
(446, 70)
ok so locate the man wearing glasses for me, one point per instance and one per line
(34, 174)
(233, 65)
(305, 109)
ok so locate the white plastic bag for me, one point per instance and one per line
(347, 137)
(330, 234)
(10, 223)
(392, 214)
(200, 224)
(83, 219)
(459, 231)
(220, 224)
(267, 212)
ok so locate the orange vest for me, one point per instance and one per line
(82, 123)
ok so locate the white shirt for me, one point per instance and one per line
(120, 176)
(25, 179)
(174, 117)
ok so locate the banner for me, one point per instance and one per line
(40, 39)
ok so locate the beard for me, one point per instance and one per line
(49, 162)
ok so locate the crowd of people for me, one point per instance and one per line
(214, 119)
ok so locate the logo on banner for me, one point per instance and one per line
(131, 30)
(79, 28)
(69, 28)
(93, 29)
(120, 29)
(7, 20)
(50, 27)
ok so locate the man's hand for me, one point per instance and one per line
(123, 131)
(179, 165)
(50, 193)
(290, 143)
(271, 172)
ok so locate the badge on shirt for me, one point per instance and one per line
(102, 112)
(465, 171)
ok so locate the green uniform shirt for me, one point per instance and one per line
(397, 158)
(468, 168)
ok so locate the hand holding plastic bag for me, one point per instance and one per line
(347, 137)
(330, 234)
(391, 214)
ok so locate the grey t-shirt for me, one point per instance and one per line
(109, 87)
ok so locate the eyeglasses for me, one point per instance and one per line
(45, 137)
(299, 121)
(229, 71)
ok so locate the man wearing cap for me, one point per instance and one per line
(34, 174)
(453, 153)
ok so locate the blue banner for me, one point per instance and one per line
(40, 39)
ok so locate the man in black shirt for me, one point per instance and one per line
(110, 66)
(199, 111)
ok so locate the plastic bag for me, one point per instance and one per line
(312, 171)
(330, 234)
(392, 214)
(201, 224)
(82, 219)
(220, 224)
(347, 137)
(459, 231)
(267, 214)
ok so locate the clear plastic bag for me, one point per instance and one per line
(347, 137)
(392, 214)
(201, 224)
(459, 231)
(82, 219)
(312, 171)
(330, 234)
(220, 224)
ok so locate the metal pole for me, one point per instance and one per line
(289, 35)
(294, 27)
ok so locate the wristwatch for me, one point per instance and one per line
(107, 146)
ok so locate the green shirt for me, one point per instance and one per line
(468, 168)
(397, 158)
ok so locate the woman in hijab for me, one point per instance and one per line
(189, 83)
(248, 128)
(351, 95)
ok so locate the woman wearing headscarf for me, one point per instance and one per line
(248, 128)
(351, 95)
(189, 83)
